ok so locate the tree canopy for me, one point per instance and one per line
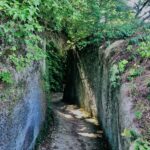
(82, 22)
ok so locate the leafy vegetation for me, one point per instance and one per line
(130, 134)
(137, 141)
(144, 49)
(116, 71)
(135, 72)
(138, 114)
(114, 76)
(81, 22)
(56, 68)
(141, 144)
(18, 32)
(6, 77)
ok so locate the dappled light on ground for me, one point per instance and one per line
(74, 129)
(65, 115)
(90, 135)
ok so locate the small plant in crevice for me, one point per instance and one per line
(130, 134)
(122, 65)
(114, 76)
(6, 77)
(138, 114)
(116, 71)
(135, 72)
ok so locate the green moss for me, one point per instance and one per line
(11, 95)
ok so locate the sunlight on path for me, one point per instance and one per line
(74, 129)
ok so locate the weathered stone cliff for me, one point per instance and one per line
(22, 109)
(88, 85)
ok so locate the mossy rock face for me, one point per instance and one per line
(22, 110)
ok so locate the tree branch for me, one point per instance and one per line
(142, 7)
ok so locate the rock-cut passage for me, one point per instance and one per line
(73, 130)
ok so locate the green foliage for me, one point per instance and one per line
(116, 71)
(141, 144)
(6, 77)
(135, 72)
(82, 22)
(122, 65)
(129, 48)
(86, 22)
(130, 134)
(144, 49)
(127, 133)
(77, 18)
(55, 66)
(114, 76)
(142, 44)
(120, 23)
(18, 28)
(138, 114)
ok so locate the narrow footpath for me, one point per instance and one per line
(73, 129)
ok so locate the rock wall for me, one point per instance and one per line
(88, 85)
(22, 110)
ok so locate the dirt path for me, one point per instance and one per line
(74, 130)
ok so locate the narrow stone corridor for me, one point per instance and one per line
(73, 129)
